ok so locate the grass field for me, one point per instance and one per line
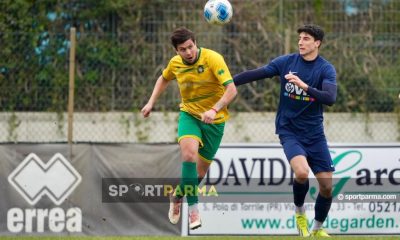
(199, 238)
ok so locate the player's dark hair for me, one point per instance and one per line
(314, 30)
(181, 35)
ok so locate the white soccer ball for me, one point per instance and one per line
(218, 11)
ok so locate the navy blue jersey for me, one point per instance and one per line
(298, 112)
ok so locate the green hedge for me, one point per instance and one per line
(123, 45)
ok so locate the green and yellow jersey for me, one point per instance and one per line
(202, 83)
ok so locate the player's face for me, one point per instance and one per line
(308, 47)
(188, 51)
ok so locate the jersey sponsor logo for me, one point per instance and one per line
(295, 92)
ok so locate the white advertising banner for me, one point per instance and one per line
(254, 188)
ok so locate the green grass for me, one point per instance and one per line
(199, 238)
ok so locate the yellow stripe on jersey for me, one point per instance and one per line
(202, 83)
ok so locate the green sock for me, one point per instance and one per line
(189, 182)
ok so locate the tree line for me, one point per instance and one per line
(122, 46)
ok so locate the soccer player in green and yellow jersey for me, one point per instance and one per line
(206, 88)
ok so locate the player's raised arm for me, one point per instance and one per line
(159, 88)
(250, 76)
(269, 70)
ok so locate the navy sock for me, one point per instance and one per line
(300, 192)
(322, 206)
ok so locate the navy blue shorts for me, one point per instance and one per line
(315, 150)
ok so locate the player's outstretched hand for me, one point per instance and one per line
(146, 110)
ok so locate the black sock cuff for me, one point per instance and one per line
(296, 183)
(323, 199)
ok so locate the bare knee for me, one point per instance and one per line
(189, 155)
(301, 175)
(300, 168)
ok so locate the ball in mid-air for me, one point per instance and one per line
(218, 11)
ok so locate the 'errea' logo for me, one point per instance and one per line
(33, 179)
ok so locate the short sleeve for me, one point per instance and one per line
(167, 72)
(220, 69)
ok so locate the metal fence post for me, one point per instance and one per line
(71, 87)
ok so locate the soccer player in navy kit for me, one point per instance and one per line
(308, 82)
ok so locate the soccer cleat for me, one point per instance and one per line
(302, 225)
(319, 233)
(194, 219)
(174, 212)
